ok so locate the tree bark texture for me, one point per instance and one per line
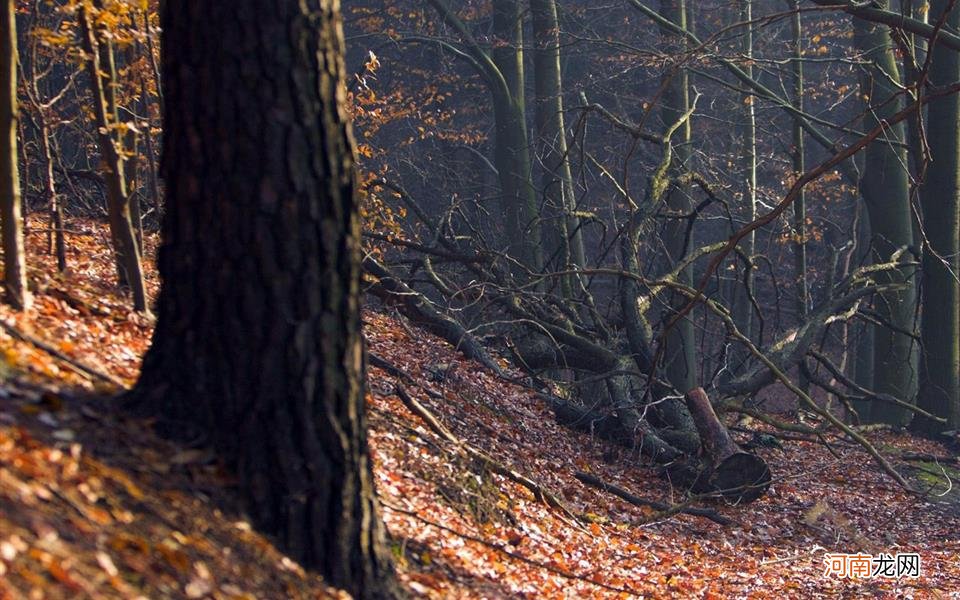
(258, 345)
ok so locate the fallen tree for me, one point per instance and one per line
(725, 468)
(597, 354)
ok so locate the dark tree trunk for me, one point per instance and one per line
(14, 264)
(940, 200)
(258, 346)
(886, 193)
(679, 358)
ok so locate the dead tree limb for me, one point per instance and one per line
(541, 493)
(76, 365)
(392, 369)
(866, 394)
(666, 510)
(614, 428)
(419, 309)
(805, 399)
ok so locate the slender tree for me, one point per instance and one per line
(41, 110)
(14, 264)
(799, 166)
(864, 332)
(566, 241)
(680, 356)
(111, 138)
(258, 346)
(741, 305)
(512, 156)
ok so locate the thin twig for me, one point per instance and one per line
(666, 510)
(509, 553)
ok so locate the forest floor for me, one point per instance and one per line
(93, 505)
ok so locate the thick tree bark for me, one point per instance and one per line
(129, 265)
(258, 345)
(566, 241)
(14, 264)
(886, 192)
(940, 200)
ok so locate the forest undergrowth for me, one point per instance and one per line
(93, 505)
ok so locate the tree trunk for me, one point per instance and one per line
(741, 305)
(940, 201)
(131, 142)
(799, 166)
(886, 192)
(153, 181)
(14, 263)
(861, 367)
(566, 242)
(512, 152)
(57, 233)
(129, 266)
(739, 476)
(258, 346)
(679, 357)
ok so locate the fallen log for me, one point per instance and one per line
(934, 458)
(665, 509)
(392, 369)
(613, 428)
(738, 476)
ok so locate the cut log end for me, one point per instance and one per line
(741, 478)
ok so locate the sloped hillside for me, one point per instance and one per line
(92, 505)
(467, 532)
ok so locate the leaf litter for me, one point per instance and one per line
(93, 505)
